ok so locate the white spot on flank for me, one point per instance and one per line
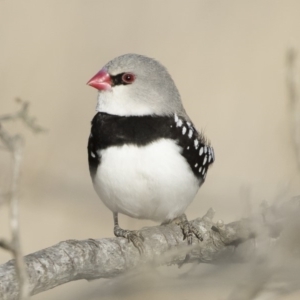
(175, 118)
(196, 143)
(205, 159)
(200, 169)
(205, 149)
(201, 151)
(203, 172)
(212, 153)
(171, 126)
(188, 124)
(188, 147)
(179, 123)
(209, 158)
(93, 155)
(204, 176)
(190, 133)
(196, 165)
(183, 130)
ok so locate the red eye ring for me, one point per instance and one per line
(128, 78)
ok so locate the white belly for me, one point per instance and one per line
(152, 182)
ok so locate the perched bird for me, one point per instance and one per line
(146, 158)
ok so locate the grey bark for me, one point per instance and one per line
(104, 258)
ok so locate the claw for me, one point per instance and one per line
(132, 236)
(188, 229)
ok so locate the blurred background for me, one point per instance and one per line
(228, 59)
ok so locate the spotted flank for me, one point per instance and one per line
(200, 155)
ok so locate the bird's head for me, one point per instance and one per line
(135, 85)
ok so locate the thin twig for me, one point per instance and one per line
(293, 92)
(23, 115)
(14, 220)
(14, 144)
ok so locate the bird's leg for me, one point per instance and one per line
(134, 236)
(188, 229)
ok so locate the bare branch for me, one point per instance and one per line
(164, 245)
(14, 144)
(293, 92)
(14, 221)
(105, 258)
(23, 115)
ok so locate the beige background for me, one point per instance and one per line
(228, 60)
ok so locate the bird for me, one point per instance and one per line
(146, 158)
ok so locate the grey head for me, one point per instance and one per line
(134, 84)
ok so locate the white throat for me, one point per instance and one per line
(118, 102)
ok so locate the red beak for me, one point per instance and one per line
(101, 81)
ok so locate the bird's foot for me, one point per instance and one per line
(133, 236)
(188, 229)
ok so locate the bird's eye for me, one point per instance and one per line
(128, 78)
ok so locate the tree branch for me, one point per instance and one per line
(164, 245)
(104, 258)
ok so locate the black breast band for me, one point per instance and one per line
(110, 130)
